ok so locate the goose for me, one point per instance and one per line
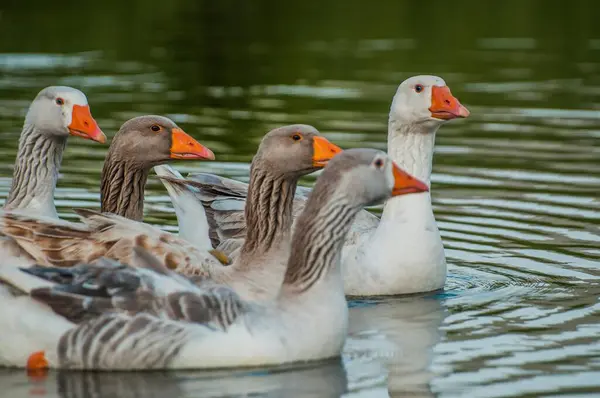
(401, 253)
(113, 316)
(140, 144)
(54, 114)
(285, 154)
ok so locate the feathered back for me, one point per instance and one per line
(89, 290)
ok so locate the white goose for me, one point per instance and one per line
(400, 254)
(55, 113)
(110, 316)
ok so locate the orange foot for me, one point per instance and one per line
(37, 365)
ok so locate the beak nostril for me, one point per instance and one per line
(447, 102)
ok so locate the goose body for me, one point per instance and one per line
(400, 253)
(110, 316)
(253, 336)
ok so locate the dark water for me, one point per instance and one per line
(515, 186)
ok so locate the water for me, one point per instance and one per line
(515, 186)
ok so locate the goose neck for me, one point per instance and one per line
(411, 147)
(317, 242)
(268, 214)
(36, 171)
(122, 188)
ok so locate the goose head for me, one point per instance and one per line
(426, 100)
(367, 177)
(295, 150)
(63, 111)
(152, 140)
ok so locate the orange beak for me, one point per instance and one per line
(183, 146)
(323, 151)
(405, 183)
(444, 105)
(83, 124)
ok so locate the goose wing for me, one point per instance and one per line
(65, 244)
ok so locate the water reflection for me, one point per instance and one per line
(315, 380)
(391, 343)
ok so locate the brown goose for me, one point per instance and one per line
(285, 154)
(107, 316)
(55, 113)
(140, 144)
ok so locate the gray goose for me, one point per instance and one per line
(140, 144)
(284, 155)
(55, 113)
(109, 316)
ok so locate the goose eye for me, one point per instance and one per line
(60, 101)
(155, 127)
(419, 88)
(296, 137)
(378, 163)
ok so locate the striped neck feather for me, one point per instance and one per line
(36, 171)
(318, 238)
(122, 188)
(268, 212)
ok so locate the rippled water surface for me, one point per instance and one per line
(515, 187)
